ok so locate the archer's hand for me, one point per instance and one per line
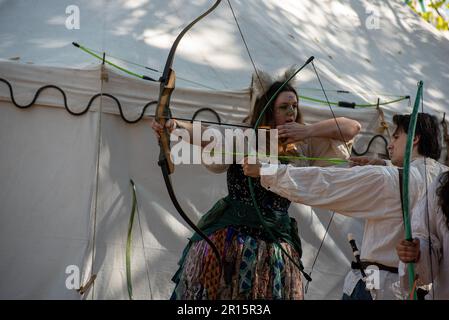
(292, 132)
(365, 161)
(408, 251)
(158, 128)
(251, 170)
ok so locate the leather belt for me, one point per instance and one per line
(365, 264)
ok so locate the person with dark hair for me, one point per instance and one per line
(371, 192)
(430, 246)
(255, 266)
(426, 128)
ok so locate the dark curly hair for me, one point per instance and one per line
(427, 129)
(443, 195)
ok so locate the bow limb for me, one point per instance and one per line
(167, 86)
(405, 184)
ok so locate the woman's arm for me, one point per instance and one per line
(295, 132)
(172, 125)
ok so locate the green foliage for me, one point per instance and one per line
(432, 12)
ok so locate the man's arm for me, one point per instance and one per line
(363, 192)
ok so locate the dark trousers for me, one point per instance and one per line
(359, 292)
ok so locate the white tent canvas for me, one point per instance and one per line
(65, 189)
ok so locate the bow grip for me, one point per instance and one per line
(162, 114)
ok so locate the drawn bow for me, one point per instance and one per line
(167, 85)
(405, 185)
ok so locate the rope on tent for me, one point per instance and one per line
(142, 113)
(369, 145)
(83, 111)
(383, 127)
(197, 112)
(83, 289)
(117, 101)
(97, 175)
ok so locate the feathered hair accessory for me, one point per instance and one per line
(262, 81)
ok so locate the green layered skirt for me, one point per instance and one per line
(254, 265)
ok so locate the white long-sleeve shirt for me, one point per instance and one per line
(369, 192)
(435, 224)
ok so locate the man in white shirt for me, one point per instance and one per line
(430, 224)
(371, 192)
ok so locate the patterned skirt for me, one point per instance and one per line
(252, 269)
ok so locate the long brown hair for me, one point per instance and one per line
(268, 117)
(443, 195)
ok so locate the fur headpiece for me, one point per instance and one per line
(262, 81)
